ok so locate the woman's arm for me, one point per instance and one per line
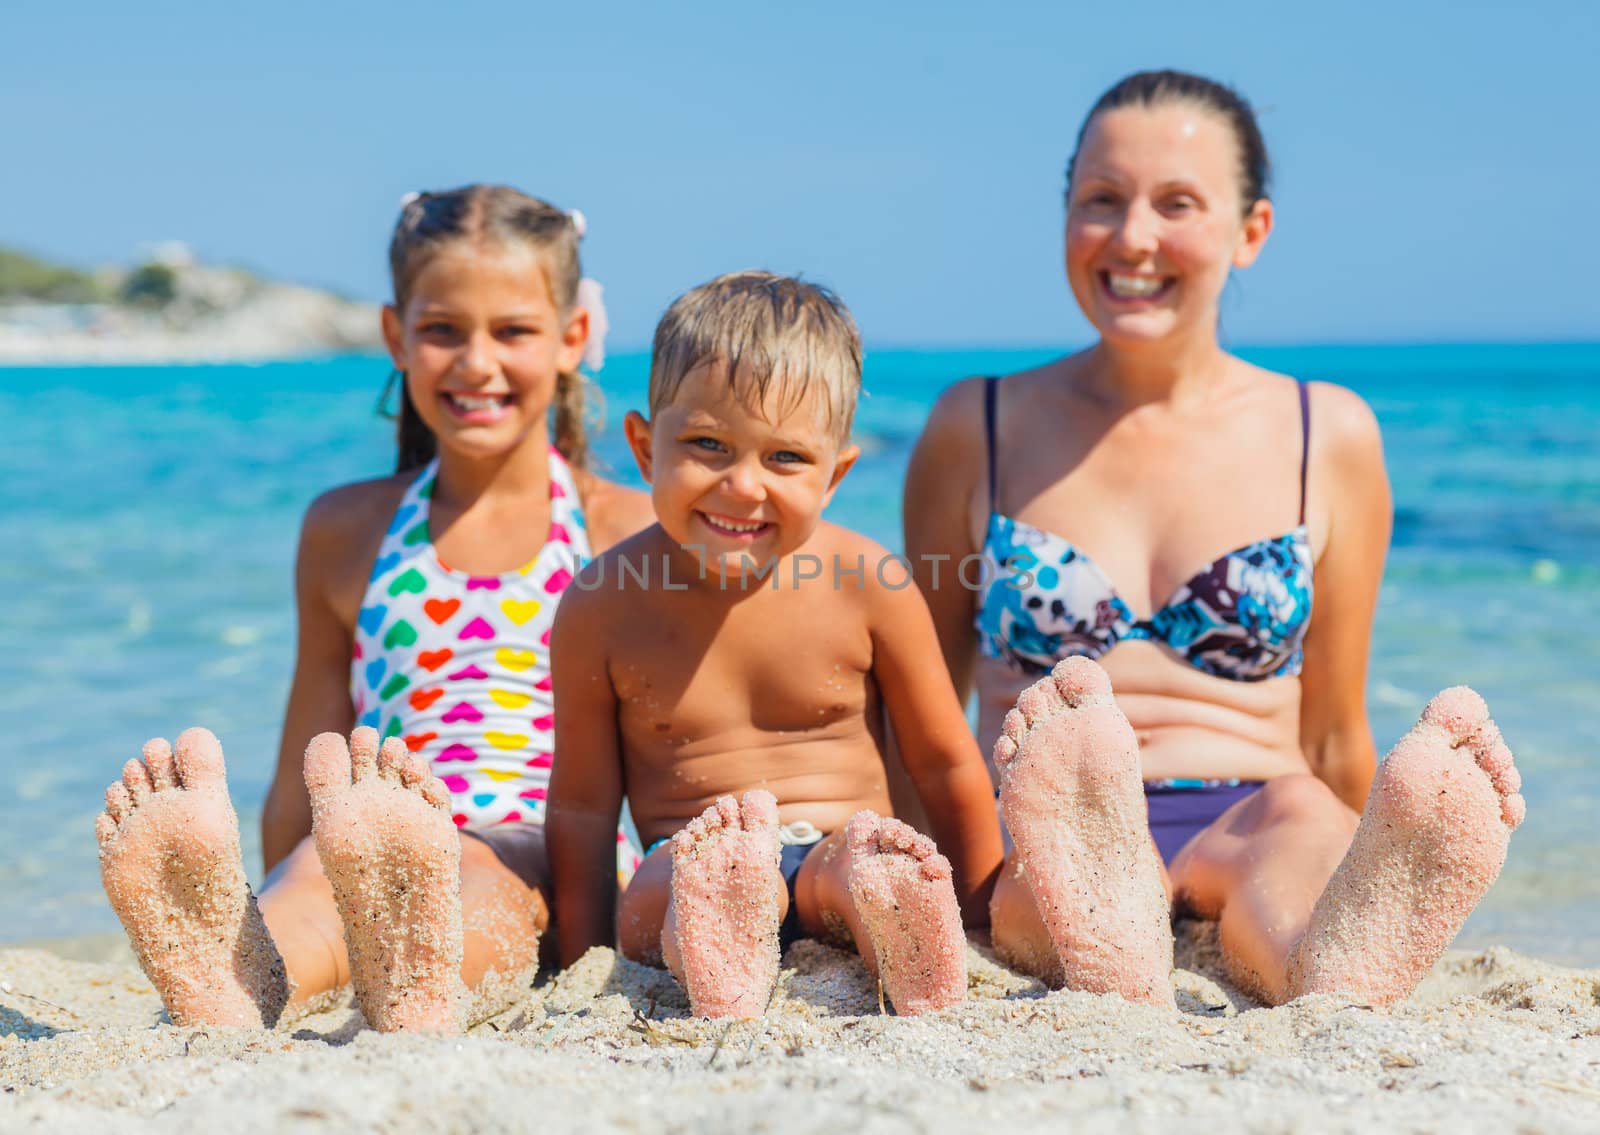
(947, 466)
(586, 783)
(1347, 459)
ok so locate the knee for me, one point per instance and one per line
(1300, 799)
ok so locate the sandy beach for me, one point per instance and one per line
(1492, 1041)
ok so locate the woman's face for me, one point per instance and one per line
(1156, 220)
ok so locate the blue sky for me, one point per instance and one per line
(1436, 162)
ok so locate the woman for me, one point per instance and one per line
(1095, 486)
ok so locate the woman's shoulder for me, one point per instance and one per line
(1339, 417)
(612, 512)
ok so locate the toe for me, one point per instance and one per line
(327, 764)
(1513, 810)
(861, 833)
(1079, 679)
(435, 793)
(199, 759)
(137, 778)
(758, 810)
(1039, 701)
(936, 868)
(1005, 751)
(363, 753)
(105, 829)
(724, 813)
(1459, 711)
(413, 771)
(159, 765)
(117, 801)
(392, 756)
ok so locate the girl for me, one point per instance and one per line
(425, 603)
(1094, 487)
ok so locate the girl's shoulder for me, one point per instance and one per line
(342, 532)
(612, 512)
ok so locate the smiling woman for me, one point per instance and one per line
(1095, 486)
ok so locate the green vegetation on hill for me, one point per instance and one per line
(25, 278)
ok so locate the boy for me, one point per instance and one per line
(742, 645)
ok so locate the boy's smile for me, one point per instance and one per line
(738, 483)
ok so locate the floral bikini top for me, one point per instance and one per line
(1243, 616)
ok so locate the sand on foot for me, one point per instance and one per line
(1073, 802)
(721, 937)
(1431, 842)
(384, 835)
(170, 864)
(905, 897)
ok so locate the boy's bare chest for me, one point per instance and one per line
(749, 674)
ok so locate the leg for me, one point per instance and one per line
(1432, 841)
(887, 885)
(1257, 871)
(719, 932)
(1082, 901)
(170, 863)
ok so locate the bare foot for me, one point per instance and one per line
(387, 844)
(726, 894)
(1432, 840)
(1073, 802)
(906, 900)
(169, 859)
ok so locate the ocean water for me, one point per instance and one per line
(149, 517)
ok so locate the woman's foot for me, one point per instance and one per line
(383, 832)
(169, 859)
(906, 900)
(726, 902)
(1074, 804)
(1432, 840)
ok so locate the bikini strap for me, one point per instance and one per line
(1305, 443)
(990, 385)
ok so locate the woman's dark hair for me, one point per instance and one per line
(1162, 88)
(429, 222)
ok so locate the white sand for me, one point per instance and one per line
(1491, 1042)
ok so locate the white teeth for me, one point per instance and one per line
(471, 404)
(734, 526)
(1135, 287)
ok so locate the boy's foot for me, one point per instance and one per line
(1432, 840)
(169, 859)
(1073, 802)
(906, 900)
(387, 844)
(726, 894)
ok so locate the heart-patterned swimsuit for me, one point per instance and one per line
(458, 665)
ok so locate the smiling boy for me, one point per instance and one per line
(743, 647)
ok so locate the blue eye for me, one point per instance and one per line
(709, 444)
(788, 456)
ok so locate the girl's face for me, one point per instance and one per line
(481, 342)
(1155, 221)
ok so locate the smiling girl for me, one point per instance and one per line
(425, 605)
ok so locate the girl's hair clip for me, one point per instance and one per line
(579, 222)
(410, 199)
(590, 298)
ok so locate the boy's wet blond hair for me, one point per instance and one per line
(768, 333)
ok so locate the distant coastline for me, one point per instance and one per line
(169, 308)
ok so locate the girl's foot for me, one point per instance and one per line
(1073, 802)
(169, 859)
(726, 902)
(903, 893)
(1432, 840)
(383, 832)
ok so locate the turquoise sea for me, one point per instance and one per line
(149, 516)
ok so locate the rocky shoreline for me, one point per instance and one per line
(179, 311)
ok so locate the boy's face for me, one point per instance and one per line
(746, 484)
